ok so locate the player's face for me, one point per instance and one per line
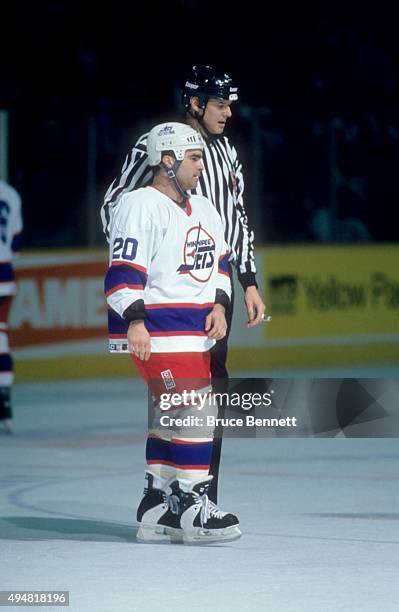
(190, 169)
(216, 114)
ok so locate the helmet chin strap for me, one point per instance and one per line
(171, 172)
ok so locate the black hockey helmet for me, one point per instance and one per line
(207, 82)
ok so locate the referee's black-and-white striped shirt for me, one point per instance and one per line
(221, 182)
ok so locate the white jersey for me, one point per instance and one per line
(221, 181)
(10, 230)
(172, 258)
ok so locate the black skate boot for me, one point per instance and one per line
(201, 520)
(5, 409)
(159, 513)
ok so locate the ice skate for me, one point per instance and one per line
(201, 520)
(158, 513)
(5, 404)
(5, 410)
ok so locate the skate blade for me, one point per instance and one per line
(159, 534)
(208, 536)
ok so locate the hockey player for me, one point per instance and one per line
(167, 289)
(10, 242)
(208, 98)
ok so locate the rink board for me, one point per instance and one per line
(331, 306)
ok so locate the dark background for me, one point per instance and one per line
(317, 127)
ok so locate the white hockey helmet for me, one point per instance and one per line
(171, 136)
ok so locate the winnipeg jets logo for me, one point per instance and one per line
(199, 254)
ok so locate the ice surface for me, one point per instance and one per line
(320, 517)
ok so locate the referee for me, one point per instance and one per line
(208, 94)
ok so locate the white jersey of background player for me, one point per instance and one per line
(10, 238)
(10, 230)
(167, 288)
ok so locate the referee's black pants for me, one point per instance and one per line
(220, 384)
